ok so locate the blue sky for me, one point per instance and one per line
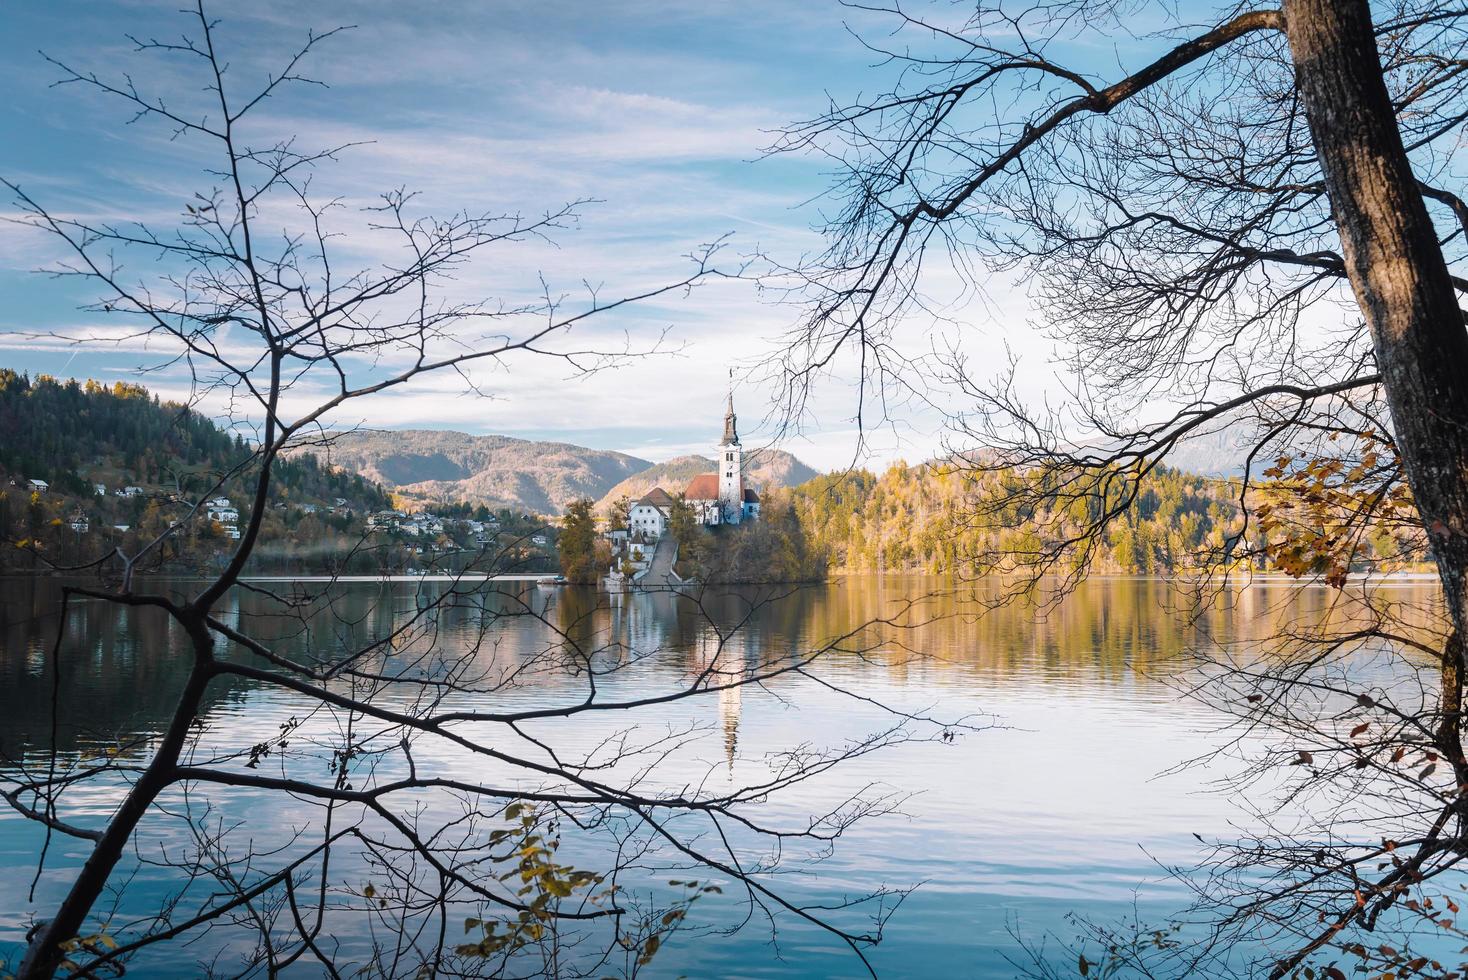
(657, 109)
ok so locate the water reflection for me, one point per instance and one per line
(118, 675)
(121, 666)
(1059, 810)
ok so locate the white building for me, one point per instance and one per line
(715, 498)
(100, 489)
(384, 520)
(224, 515)
(721, 497)
(40, 486)
(649, 516)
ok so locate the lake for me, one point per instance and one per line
(1064, 800)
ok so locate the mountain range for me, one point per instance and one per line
(763, 469)
(526, 475)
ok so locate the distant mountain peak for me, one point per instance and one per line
(763, 469)
(528, 475)
(496, 470)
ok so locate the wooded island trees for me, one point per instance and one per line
(584, 555)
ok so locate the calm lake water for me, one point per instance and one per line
(1060, 807)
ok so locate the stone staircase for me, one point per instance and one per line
(659, 573)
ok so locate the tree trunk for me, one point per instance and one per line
(1396, 268)
(44, 954)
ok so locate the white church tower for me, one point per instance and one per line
(731, 470)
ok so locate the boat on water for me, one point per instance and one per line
(551, 582)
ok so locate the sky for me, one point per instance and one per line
(655, 111)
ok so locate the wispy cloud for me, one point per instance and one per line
(655, 109)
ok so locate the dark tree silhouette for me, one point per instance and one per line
(265, 313)
(1253, 228)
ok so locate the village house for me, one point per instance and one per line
(648, 517)
(424, 523)
(39, 486)
(384, 520)
(223, 515)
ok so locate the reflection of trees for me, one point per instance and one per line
(1103, 629)
(123, 670)
(135, 658)
(641, 643)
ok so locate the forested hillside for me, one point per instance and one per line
(70, 433)
(86, 467)
(75, 434)
(921, 517)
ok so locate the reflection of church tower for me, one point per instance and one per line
(715, 655)
(731, 469)
(729, 705)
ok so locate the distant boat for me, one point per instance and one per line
(551, 582)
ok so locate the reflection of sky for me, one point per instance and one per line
(1060, 809)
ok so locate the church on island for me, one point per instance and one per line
(716, 498)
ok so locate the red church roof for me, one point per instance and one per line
(705, 486)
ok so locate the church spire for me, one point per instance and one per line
(731, 433)
(731, 466)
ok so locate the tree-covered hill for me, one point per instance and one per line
(923, 517)
(76, 434)
(87, 467)
(68, 433)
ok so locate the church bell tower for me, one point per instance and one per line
(731, 470)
